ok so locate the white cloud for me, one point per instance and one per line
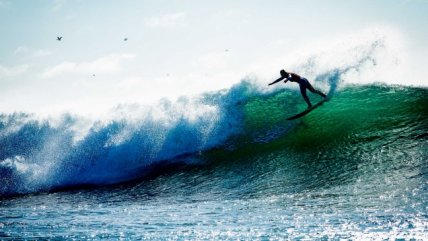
(42, 53)
(21, 50)
(213, 60)
(234, 17)
(13, 71)
(166, 20)
(107, 64)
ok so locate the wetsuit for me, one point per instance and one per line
(304, 84)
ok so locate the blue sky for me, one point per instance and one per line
(176, 47)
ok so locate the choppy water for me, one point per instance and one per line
(357, 167)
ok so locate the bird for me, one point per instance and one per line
(125, 39)
(58, 38)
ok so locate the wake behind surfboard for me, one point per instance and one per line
(308, 110)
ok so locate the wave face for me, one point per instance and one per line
(373, 121)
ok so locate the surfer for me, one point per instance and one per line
(303, 83)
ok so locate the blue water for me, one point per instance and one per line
(223, 166)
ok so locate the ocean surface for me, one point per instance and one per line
(225, 165)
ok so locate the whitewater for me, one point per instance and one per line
(226, 164)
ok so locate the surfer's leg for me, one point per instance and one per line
(313, 90)
(303, 92)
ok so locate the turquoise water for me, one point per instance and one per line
(355, 168)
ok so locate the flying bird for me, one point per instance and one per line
(58, 38)
(125, 39)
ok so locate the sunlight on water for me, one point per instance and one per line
(343, 172)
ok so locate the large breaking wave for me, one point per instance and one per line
(39, 154)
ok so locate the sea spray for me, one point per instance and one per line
(45, 154)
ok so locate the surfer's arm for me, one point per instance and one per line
(276, 81)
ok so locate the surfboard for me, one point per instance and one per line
(308, 110)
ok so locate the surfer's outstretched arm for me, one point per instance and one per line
(276, 81)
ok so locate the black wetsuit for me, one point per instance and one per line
(304, 84)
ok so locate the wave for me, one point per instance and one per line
(42, 154)
(37, 155)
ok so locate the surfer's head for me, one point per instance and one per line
(283, 73)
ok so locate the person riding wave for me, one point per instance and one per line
(303, 83)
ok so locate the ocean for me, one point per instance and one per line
(225, 165)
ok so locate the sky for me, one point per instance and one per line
(173, 48)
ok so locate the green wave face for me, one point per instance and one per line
(366, 138)
(364, 114)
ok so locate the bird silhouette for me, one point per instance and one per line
(125, 39)
(58, 38)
